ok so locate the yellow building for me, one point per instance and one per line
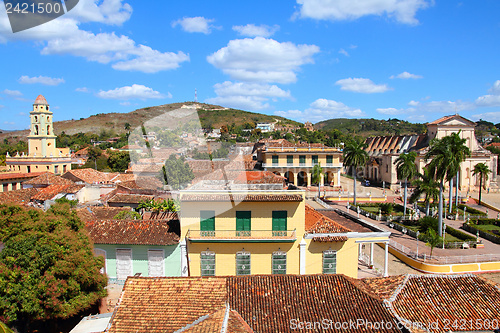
(295, 161)
(43, 155)
(264, 232)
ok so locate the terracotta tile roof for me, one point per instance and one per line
(83, 151)
(88, 175)
(148, 168)
(345, 222)
(259, 177)
(99, 213)
(47, 179)
(140, 183)
(19, 197)
(441, 299)
(121, 177)
(132, 232)
(166, 304)
(7, 176)
(242, 197)
(41, 100)
(51, 191)
(266, 303)
(129, 198)
(215, 321)
(317, 223)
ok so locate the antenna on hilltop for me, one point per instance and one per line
(196, 96)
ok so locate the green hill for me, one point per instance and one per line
(371, 127)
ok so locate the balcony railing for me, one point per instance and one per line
(239, 236)
(301, 165)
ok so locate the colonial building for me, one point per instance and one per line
(384, 150)
(296, 161)
(264, 231)
(43, 155)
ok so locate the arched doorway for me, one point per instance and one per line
(301, 179)
(289, 177)
(329, 177)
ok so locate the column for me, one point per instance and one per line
(322, 179)
(295, 178)
(184, 258)
(302, 257)
(371, 253)
(308, 179)
(386, 259)
(338, 177)
(360, 251)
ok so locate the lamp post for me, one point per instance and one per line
(418, 234)
(444, 234)
(465, 210)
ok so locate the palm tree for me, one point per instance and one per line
(406, 169)
(446, 153)
(428, 186)
(483, 171)
(433, 239)
(316, 173)
(355, 156)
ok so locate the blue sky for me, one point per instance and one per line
(306, 60)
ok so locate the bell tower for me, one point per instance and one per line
(41, 140)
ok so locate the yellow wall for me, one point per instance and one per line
(260, 257)
(282, 158)
(261, 218)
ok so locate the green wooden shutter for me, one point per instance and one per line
(279, 222)
(315, 159)
(243, 223)
(329, 262)
(275, 159)
(302, 159)
(289, 159)
(329, 159)
(207, 223)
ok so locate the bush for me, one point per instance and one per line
(470, 210)
(428, 222)
(128, 215)
(386, 208)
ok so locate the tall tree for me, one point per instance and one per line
(427, 186)
(446, 153)
(355, 156)
(176, 172)
(482, 170)
(316, 173)
(47, 267)
(407, 170)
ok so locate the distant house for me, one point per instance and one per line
(132, 148)
(46, 179)
(265, 127)
(129, 247)
(47, 195)
(80, 157)
(13, 181)
(384, 150)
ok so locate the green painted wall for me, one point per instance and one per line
(172, 258)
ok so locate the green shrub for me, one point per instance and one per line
(128, 215)
(386, 208)
(428, 222)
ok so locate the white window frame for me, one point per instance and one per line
(243, 266)
(131, 273)
(279, 253)
(212, 253)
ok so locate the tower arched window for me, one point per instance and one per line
(36, 129)
(48, 129)
(48, 118)
(36, 119)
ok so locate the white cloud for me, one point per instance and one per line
(361, 85)
(131, 92)
(63, 36)
(151, 61)
(12, 93)
(391, 111)
(252, 30)
(108, 47)
(493, 117)
(83, 89)
(248, 96)
(493, 99)
(413, 103)
(496, 88)
(344, 52)
(262, 60)
(195, 24)
(322, 109)
(406, 76)
(45, 80)
(403, 11)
